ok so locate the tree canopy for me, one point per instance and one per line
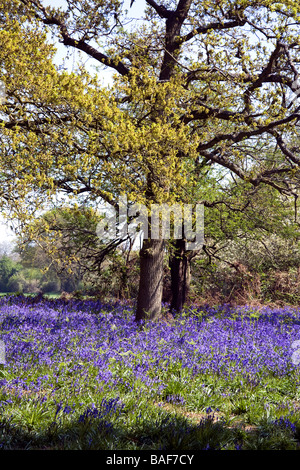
(197, 87)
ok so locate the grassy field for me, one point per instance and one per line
(83, 375)
(51, 295)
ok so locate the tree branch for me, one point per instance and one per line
(238, 137)
(52, 20)
(216, 25)
(196, 115)
(162, 11)
(97, 55)
(265, 74)
(288, 153)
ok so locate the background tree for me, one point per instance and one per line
(8, 268)
(250, 238)
(64, 242)
(197, 85)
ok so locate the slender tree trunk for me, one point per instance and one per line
(180, 276)
(151, 280)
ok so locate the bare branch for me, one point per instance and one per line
(265, 74)
(160, 9)
(216, 25)
(238, 137)
(82, 45)
(288, 153)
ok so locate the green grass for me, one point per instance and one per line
(214, 415)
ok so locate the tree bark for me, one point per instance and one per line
(180, 276)
(149, 300)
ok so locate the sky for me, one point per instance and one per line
(6, 235)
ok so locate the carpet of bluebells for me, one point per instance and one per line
(85, 375)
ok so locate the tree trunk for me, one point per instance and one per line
(151, 280)
(180, 276)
